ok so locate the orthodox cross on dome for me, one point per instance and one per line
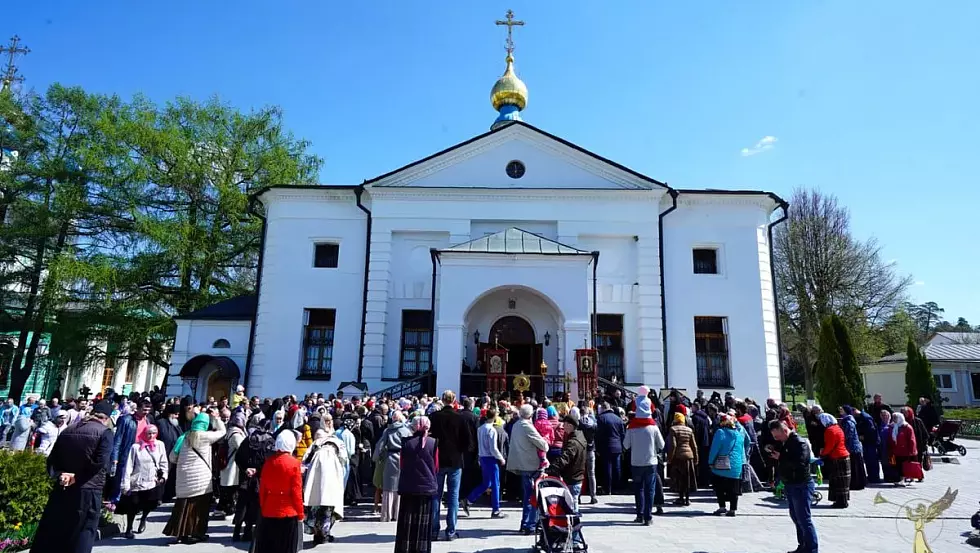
(9, 75)
(510, 22)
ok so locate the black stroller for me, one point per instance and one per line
(941, 440)
(559, 526)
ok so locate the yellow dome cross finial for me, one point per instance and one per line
(510, 23)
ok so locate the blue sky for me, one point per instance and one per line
(875, 102)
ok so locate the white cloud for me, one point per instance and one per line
(920, 283)
(764, 144)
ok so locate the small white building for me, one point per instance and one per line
(955, 361)
(515, 237)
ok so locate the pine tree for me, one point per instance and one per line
(919, 381)
(852, 391)
(831, 382)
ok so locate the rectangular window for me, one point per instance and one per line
(416, 343)
(318, 343)
(943, 381)
(609, 343)
(705, 261)
(711, 347)
(107, 376)
(326, 256)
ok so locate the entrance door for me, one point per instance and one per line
(219, 386)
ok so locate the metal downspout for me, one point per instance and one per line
(663, 294)
(359, 191)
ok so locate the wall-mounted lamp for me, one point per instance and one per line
(476, 337)
(547, 338)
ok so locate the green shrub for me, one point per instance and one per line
(24, 488)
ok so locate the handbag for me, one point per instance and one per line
(926, 462)
(724, 462)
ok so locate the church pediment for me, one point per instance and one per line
(516, 156)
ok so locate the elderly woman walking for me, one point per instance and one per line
(416, 488)
(902, 445)
(280, 530)
(228, 478)
(726, 458)
(852, 440)
(388, 454)
(837, 461)
(683, 459)
(192, 455)
(325, 464)
(143, 476)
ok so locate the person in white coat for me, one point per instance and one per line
(228, 478)
(144, 475)
(48, 433)
(192, 454)
(323, 490)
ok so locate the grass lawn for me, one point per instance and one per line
(968, 413)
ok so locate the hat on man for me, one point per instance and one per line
(574, 416)
(103, 408)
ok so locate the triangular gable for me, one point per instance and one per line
(515, 241)
(551, 162)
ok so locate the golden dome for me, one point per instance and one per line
(509, 90)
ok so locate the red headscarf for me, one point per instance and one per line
(144, 439)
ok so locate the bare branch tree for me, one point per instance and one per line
(822, 270)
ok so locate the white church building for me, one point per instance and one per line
(514, 238)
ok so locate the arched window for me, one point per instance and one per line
(221, 343)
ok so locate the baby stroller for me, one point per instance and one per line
(816, 473)
(941, 439)
(559, 526)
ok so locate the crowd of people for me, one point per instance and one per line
(288, 467)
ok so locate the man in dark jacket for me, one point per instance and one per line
(453, 435)
(79, 461)
(169, 429)
(793, 467)
(472, 473)
(609, 435)
(570, 465)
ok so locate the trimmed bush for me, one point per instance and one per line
(24, 488)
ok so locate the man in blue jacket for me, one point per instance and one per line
(609, 435)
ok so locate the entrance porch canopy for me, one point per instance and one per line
(510, 259)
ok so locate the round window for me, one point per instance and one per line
(515, 169)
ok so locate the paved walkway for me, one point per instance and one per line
(762, 526)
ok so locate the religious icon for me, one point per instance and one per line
(922, 514)
(522, 383)
(496, 365)
(586, 364)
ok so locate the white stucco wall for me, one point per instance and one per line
(197, 337)
(733, 225)
(297, 220)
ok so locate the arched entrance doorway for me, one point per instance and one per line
(524, 354)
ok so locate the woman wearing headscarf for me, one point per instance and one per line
(192, 455)
(921, 433)
(837, 461)
(902, 444)
(22, 432)
(852, 440)
(281, 500)
(889, 470)
(388, 454)
(420, 464)
(143, 475)
(645, 443)
(683, 459)
(726, 457)
(325, 464)
(228, 478)
(814, 429)
(870, 442)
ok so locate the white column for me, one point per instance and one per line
(576, 335)
(379, 277)
(449, 355)
(649, 315)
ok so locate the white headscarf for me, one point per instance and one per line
(286, 442)
(898, 421)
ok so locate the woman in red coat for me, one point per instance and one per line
(836, 461)
(902, 444)
(281, 500)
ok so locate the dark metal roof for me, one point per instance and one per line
(241, 308)
(226, 366)
(515, 241)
